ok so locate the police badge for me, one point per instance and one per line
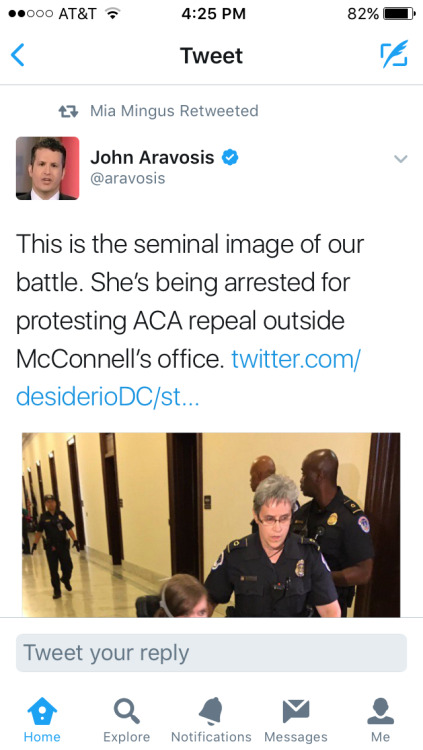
(299, 569)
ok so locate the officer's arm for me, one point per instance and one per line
(324, 595)
(72, 535)
(36, 540)
(329, 610)
(356, 575)
(218, 584)
(359, 553)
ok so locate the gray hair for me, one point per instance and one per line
(277, 488)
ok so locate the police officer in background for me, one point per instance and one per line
(337, 523)
(55, 523)
(274, 573)
(261, 468)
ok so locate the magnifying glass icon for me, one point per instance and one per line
(127, 714)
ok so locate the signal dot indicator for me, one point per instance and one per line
(12, 13)
(21, 13)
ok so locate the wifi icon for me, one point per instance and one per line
(112, 12)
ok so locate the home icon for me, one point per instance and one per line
(42, 712)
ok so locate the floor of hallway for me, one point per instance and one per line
(98, 589)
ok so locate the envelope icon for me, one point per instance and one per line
(295, 710)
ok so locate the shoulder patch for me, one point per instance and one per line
(364, 524)
(219, 561)
(353, 507)
(307, 540)
(237, 544)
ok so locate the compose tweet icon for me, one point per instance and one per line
(295, 710)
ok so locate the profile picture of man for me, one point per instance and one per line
(47, 170)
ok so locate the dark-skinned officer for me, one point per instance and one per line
(55, 523)
(273, 573)
(261, 468)
(337, 523)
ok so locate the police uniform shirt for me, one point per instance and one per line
(55, 526)
(341, 529)
(262, 588)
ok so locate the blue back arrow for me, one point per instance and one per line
(14, 53)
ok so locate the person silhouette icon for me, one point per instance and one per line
(380, 706)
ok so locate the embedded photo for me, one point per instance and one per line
(211, 525)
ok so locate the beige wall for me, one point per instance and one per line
(226, 472)
(92, 491)
(143, 487)
(38, 448)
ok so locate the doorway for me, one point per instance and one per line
(381, 596)
(76, 492)
(111, 496)
(53, 475)
(40, 484)
(185, 474)
(26, 497)
(33, 496)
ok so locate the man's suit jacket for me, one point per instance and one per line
(62, 197)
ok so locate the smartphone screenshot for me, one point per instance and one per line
(211, 374)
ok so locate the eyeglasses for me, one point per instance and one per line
(272, 521)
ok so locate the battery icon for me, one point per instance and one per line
(398, 14)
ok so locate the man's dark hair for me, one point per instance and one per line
(51, 143)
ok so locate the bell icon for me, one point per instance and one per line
(211, 711)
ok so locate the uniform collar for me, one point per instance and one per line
(291, 545)
(255, 547)
(337, 500)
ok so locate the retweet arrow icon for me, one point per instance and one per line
(62, 111)
(14, 53)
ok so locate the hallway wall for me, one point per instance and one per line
(143, 487)
(92, 492)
